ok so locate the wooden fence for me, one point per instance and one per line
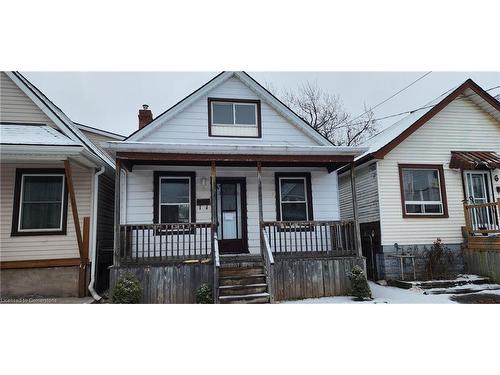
(176, 283)
(313, 278)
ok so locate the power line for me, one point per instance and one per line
(416, 109)
(392, 96)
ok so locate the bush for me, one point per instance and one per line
(437, 260)
(204, 294)
(127, 289)
(359, 285)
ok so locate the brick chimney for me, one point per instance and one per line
(145, 116)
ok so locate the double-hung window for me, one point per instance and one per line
(40, 202)
(234, 118)
(293, 197)
(423, 190)
(174, 197)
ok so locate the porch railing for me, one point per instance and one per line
(267, 254)
(216, 260)
(335, 238)
(482, 218)
(150, 243)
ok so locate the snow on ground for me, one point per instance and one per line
(391, 295)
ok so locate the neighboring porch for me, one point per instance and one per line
(238, 234)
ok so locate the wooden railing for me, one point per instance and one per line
(267, 254)
(151, 243)
(335, 238)
(216, 260)
(482, 218)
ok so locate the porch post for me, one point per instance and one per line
(118, 171)
(259, 188)
(357, 231)
(213, 198)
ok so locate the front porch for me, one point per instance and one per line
(228, 210)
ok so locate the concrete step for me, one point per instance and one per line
(246, 298)
(463, 289)
(242, 280)
(234, 290)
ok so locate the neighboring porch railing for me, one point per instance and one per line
(482, 218)
(336, 238)
(151, 243)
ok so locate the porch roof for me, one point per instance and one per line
(231, 154)
(474, 160)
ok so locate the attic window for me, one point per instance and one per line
(234, 118)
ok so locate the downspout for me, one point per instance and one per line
(92, 291)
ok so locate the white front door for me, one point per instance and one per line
(479, 191)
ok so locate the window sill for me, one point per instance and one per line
(441, 216)
(38, 233)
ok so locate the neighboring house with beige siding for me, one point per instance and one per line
(56, 187)
(414, 179)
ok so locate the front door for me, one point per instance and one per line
(479, 191)
(231, 216)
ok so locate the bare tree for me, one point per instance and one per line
(325, 113)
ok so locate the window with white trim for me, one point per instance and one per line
(293, 199)
(234, 118)
(422, 191)
(40, 203)
(175, 200)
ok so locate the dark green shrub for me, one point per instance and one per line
(127, 289)
(204, 294)
(359, 285)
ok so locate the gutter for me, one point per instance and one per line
(263, 149)
(91, 289)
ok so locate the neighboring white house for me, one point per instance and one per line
(52, 177)
(229, 156)
(413, 180)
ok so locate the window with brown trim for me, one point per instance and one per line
(238, 118)
(174, 197)
(423, 190)
(40, 202)
(293, 197)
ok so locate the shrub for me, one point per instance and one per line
(359, 285)
(437, 260)
(204, 294)
(127, 289)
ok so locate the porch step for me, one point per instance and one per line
(245, 298)
(241, 271)
(249, 289)
(242, 280)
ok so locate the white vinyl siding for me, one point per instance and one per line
(15, 106)
(191, 125)
(461, 126)
(367, 194)
(139, 187)
(43, 246)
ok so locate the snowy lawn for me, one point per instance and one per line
(388, 294)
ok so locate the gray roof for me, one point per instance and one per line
(28, 134)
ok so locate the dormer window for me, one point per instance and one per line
(234, 118)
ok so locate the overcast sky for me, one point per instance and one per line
(111, 100)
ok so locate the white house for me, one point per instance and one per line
(414, 179)
(56, 207)
(230, 157)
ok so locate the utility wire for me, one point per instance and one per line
(413, 110)
(392, 96)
